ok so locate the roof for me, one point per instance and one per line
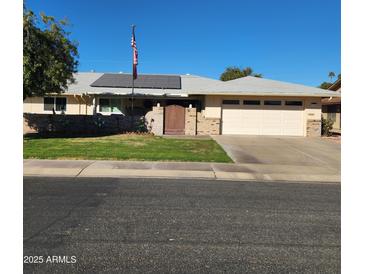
(331, 101)
(255, 85)
(336, 85)
(193, 84)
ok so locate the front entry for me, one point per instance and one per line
(174, 120)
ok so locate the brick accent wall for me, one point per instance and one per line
(313, 128)
(43, 123)
(190, 121)
(208, 126)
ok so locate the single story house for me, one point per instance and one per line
(188, 104)
(331, 107)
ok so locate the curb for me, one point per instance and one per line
(181, 174)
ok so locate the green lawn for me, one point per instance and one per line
(125, 147)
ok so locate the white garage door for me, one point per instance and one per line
(265, 117)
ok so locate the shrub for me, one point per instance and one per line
(141, 125)
(326, 126)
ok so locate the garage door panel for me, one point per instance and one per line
(251, 121)
(271, 122)
(263, 120)
(293, 122)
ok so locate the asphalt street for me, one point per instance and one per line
(180, 226)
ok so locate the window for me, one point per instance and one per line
(104, 105)
(116, 105)
(48, 103)
(54, 103)
(293, 103)
(60, 104)
(334, 108)
(110, 105)
(231, 102)
(272, 103)
(251, 102)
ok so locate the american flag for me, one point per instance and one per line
(135, 54)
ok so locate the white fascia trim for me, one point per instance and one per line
(268, 94)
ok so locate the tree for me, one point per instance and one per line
(234, 72)
(325, 85)
(49, 57)
(331, 74)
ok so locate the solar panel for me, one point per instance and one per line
(114, 80)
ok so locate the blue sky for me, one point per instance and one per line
(296, 41)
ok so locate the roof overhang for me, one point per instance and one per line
(137, 94)
(268, 94)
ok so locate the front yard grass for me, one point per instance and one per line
(124, 147)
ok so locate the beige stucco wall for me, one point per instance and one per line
(213, 106)
(74, 105)
(312, 112)
(336, 121)
(313, 108)
(312, 105)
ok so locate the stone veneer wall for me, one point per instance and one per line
(208, 126)
(313, 128)
(155, 120)
(190, 121)
(43, 123)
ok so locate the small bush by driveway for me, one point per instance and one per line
(125, 147)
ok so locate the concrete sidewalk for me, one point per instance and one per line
(185, 170)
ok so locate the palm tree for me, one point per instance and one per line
(331, 74)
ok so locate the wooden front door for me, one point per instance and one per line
(174, 120)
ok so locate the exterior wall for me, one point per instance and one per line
(208, 126)
(311, 106)
(313, 128)
(213, 106)
(27, 128)
(333, 112)
(208, 121)
(190, 121)
(337, 122)
(154, 120)
(312, 115)
(74, 105)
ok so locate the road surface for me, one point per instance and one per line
(191, 226)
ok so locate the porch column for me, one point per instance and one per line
(190, 121)
(157, 123)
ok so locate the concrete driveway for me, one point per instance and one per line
(287, 151)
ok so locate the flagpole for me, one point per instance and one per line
(132, 105)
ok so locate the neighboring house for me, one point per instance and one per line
(331, 107)
(188, 104)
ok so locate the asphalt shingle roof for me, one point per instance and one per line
(192, 84)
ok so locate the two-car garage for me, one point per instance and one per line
(263, 117)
